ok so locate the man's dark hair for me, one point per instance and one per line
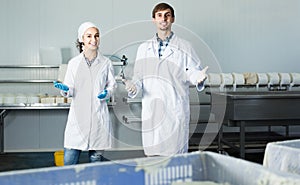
(162, 6)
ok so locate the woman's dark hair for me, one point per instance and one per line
(162, 6)
(79, 45)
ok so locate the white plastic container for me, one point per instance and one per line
(33, 99)
(214, 79)
(283, 156)
(227, 79)
(48, 99)
(60, 99)
(262, 78)
(9, 99)
(238, 78)
(21, 98)
(1, 98)
(274, 78)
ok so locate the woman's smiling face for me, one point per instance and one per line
(91, 39)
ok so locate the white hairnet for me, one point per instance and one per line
(83, 27)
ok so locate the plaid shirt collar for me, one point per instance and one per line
(162, 44)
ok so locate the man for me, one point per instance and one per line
(165, 67)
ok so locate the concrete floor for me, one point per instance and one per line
(30, 160)
(21, 161)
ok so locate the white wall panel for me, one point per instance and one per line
(21, 32)
(244, 35)
(248, 35)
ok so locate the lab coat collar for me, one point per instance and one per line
(168, 52)
(153, 48)
(99, 59)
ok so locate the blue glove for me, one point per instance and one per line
(61, 86)
(103, 94)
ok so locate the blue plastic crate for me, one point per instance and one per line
(197, 166)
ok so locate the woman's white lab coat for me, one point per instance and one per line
(165, 94)
(88, 126)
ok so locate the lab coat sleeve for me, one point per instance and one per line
(69, 80)
(111, 82)
(137, 79)
(193, 68)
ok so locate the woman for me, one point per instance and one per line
(90, 82)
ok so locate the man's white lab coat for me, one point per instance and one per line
(164, 83)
